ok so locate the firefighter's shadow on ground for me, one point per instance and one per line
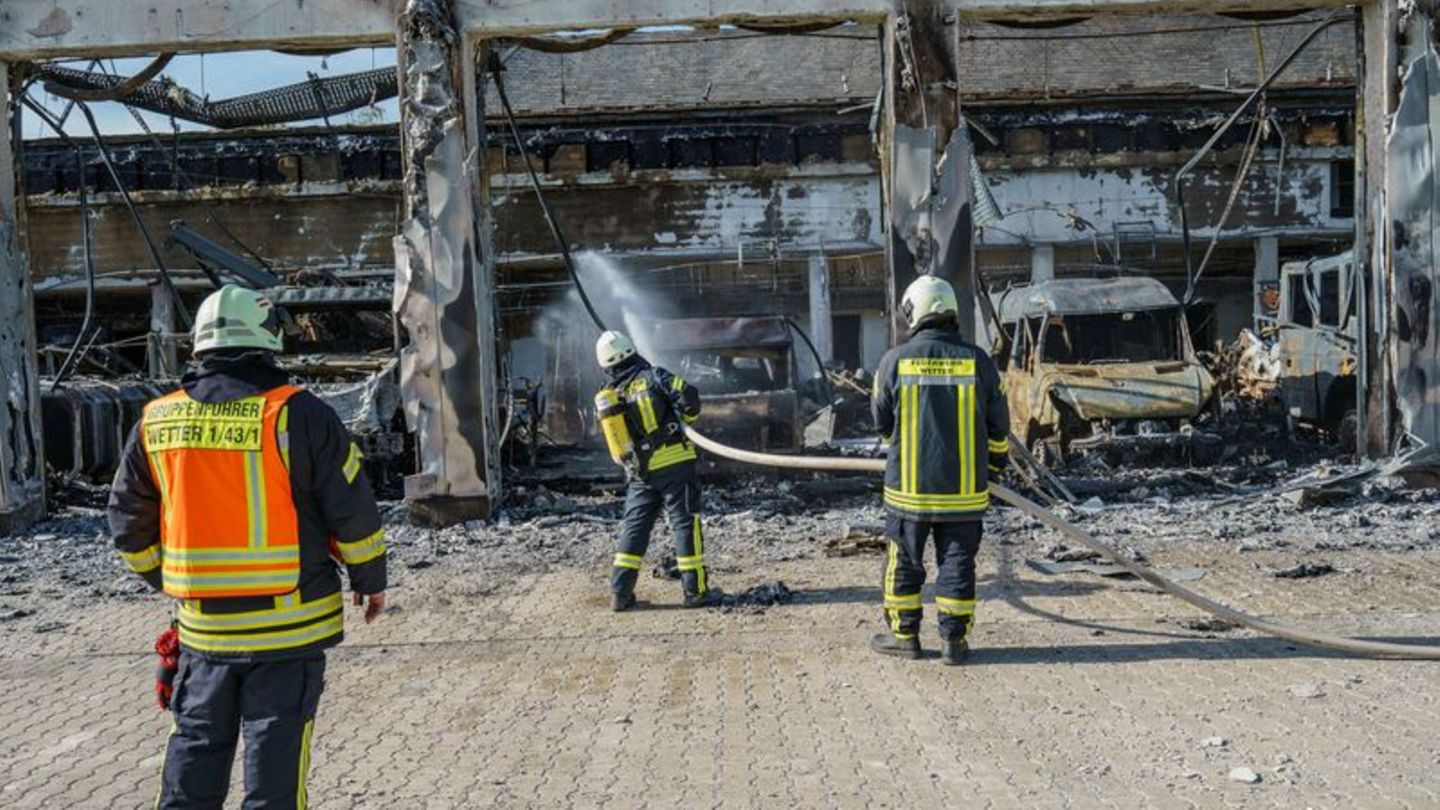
(990, 588)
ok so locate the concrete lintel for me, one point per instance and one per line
(37, 29)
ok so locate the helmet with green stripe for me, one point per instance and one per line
(236, 318)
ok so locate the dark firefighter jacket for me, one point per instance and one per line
(337, 513)
(658, 404)
(940, 403)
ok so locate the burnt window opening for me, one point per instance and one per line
(1330, 297)
(1342, 189)
(1325, 286)
(822, 147)
(602, 156)
(1113, 337)
(692, 153)
(736, 152)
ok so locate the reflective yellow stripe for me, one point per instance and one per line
(285, 612)
(255, 499)
(937, 503)
(688, 419)
(670, 455)
(890, 565)
(907, 602)
(677, 383)
(263, 642)
(363, 550)
(352, 463)
(142, 562)
(700, 584)
(302, 795)
(955, 607)
(647, 413)
(220, 556)
(967, 439)
(283, 435)
(200, 582)
(999, 445)
(157, 466)
(632, 561)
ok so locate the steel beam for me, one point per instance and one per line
(35, 29)
(22, 457)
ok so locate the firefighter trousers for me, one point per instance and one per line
(956, 545)
(676, 491)
(272, 702)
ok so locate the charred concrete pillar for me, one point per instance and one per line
(164, 361)
(1042, 263)
(821, 322)
(925, 160)
(22, 456)
(442, 292)
(1376, 93)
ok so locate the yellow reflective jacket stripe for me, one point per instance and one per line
(669, 455)
(142, 562)
(363, 550)
(289, 624)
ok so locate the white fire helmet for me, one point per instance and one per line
(612, 348)
(927, 297)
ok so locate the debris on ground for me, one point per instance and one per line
(856, 539)
(756, 599)
(1214, 742)
(1304, 571)
(1245, 775)
(1208, 624)
(1306, 690)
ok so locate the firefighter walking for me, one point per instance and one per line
(642, 411)
(240, 496)
(940, 403)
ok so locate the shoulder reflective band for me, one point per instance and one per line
(352, 463)
(937, 370)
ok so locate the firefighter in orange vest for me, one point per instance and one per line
(241, 496)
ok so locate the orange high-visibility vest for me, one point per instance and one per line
(228, 524)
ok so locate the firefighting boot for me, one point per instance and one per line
(700, 600)
(955, 652)
(888, 644)
(621, 602)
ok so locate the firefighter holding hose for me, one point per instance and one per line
(241, 496)
(642, 411)
(940, 403)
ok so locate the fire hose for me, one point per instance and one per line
(1356, 646)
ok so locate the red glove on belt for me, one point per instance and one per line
(167, 646)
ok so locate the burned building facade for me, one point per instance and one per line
(742, 170)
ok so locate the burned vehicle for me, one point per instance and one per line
(1101, 363)
(745, 370)
(1316, 336)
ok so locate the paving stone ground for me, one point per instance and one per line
(482, 690)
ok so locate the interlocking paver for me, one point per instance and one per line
(487, 691)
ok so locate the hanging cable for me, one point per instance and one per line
(105, 157)
(495, 71)
(1204, 150)
(79, 346)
